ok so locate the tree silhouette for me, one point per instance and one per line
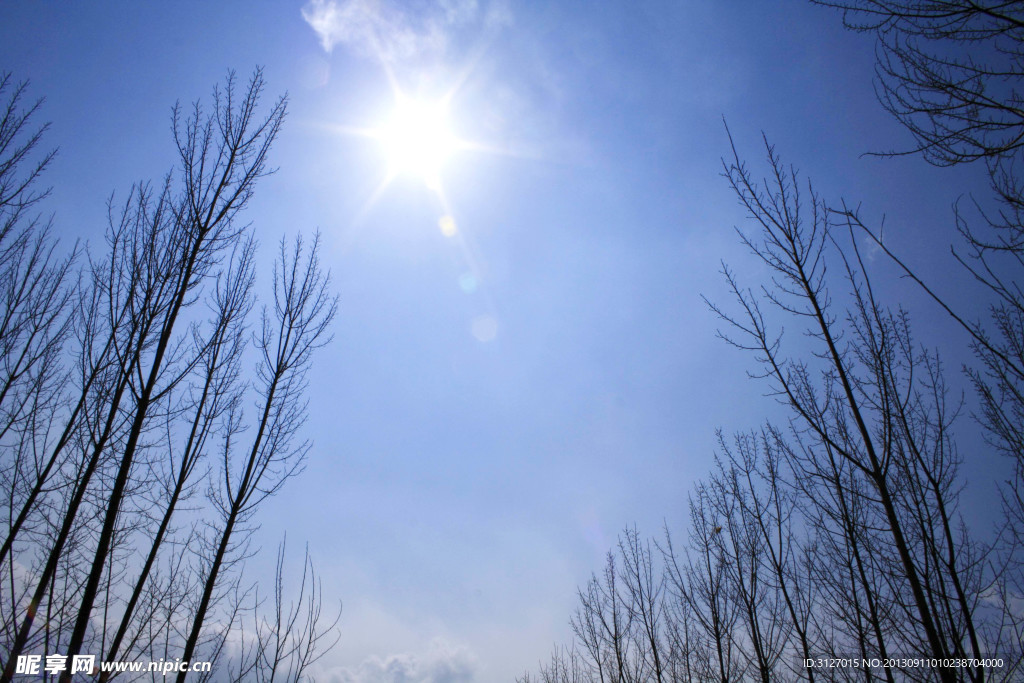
(951, 72)
(834, 534)
(129, 398)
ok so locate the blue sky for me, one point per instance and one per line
(480, 442)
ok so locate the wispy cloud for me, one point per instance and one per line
(395, 34)
(443, 662)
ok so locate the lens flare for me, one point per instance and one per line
(447, 225)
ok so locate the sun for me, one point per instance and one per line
(417, 139)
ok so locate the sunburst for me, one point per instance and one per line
(418, 140)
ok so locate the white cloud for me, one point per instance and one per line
(443, 662)
(395, 34)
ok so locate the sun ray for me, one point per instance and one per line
(418, 141)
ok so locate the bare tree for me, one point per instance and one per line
(948, 70)
(874, 402)
(840, 536)
(757, 516)
(302, 311)
(700, 577)
(840, 533)
(565, 666)
(951, 72)
(294, 635)
(105, 469)
(35, 296)
(603, 624)
(644, 589)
